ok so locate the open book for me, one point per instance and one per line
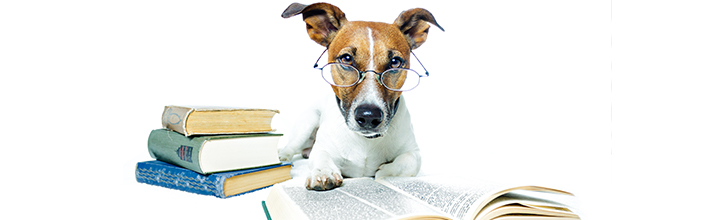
(428, 197)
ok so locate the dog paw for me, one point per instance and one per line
(392, 169)
(323, 180)
(285, 154)
(385, 170)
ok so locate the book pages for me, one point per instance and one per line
(457, 198)
(434, 197)
(360, 198)
(516, 202)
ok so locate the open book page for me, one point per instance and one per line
(567, 201)
(360, 198)
(529, 217)
(457, 198)
(513, 203)
(462, 199)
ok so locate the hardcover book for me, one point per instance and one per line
(194, 120)
(222, 185)
(214, 153)
(428, 197)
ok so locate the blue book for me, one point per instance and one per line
(222, 185)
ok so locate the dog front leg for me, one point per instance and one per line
(406, 164)
(303, 136)
(325, 174)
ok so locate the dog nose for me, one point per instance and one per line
(368, 116)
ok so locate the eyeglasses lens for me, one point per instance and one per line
(395, 79)
(340, 75)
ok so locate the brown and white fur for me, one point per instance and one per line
(365, 129)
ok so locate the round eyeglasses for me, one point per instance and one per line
(395, 79)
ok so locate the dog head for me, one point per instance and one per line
(371, 48)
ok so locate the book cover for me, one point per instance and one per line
(215, 153)
(197, 120)
(267, 214)
(221, 185)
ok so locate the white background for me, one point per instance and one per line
(617, 102)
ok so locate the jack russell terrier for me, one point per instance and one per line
(363, 129)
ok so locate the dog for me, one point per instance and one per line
(362, 129)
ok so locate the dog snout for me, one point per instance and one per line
(368, 116)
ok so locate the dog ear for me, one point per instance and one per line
(323, 20)
(413, 24)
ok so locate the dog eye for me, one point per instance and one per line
(396, 62)
(346, 59)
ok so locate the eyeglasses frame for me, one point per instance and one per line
(379, 75)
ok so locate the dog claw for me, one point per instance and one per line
(338, 178)
(322, 182)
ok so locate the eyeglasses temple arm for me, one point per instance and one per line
(323, 53)
(416, 58)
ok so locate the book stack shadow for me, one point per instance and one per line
(215, 151)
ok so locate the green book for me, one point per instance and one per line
(214, 153)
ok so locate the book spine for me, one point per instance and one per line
(175, 118)
(165, 175)
(175, 148)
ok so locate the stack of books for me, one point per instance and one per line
(214, 151)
